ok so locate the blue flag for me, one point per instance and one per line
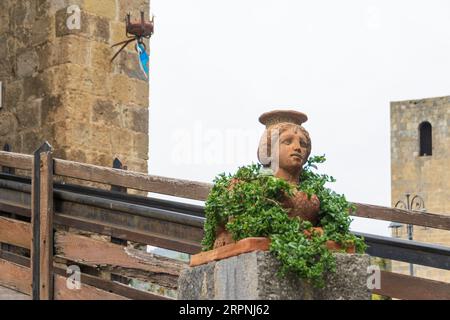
(143, 59)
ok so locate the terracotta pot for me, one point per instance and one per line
(300, 206)
(334, 246)
(318, 230)
(223, 238)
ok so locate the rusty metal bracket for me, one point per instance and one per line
(136, 32)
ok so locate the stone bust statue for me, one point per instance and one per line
(284, 148)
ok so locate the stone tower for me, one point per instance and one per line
(420, 165)
(58, 83)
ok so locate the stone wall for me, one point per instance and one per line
(427, 176)
(59, 84)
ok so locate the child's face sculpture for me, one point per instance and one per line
(288, 150)
(293, 149)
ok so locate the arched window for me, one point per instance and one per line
(425, 139)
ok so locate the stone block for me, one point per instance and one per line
(23, 14)
(77, 107)
(51, 7)
(4, 21)
(117, 32)
(123, 89)
(104, 8)
(134, 7)
(135, 118)
(82, 79)
(27, 63)
(37, 86)
(28, 114)
(120, 141)
(104, 112)
(99, 28)
(101, 137)
(77, 134)
(8, 123)
(99, 158)
(141, 97)
(141, 145)
(76, 154)
(7, 69)
(31, 140)
(42, 31)
(138, 165)
(13, 94)
(51, 110)
(101, 55)
(252, 276)
(3, 46)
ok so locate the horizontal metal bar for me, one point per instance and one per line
(425, 254)
(121, 232)
(23, 184)
(14, 183)
(139, 210)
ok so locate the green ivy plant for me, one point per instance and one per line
(248, 205)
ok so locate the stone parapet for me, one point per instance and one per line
(252, 276)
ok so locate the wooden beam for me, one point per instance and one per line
(129, 179)
(15, 258)
(46, 240)
(114, 287)
(15, 232)
(15, 160)
(15, 277)
(432, 220)
(130, 234)
(42, 223)
(412, 288)
(118, 259)
(15, 208)
(86, 292)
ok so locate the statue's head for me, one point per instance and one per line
(285, 144)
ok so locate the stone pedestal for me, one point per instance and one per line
(252, 276)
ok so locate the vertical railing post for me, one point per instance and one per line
(117, 164)
(42, 223)
(7, 148)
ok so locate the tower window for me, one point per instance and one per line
(425, 139)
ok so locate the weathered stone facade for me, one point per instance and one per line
(427, 176)
(59, 84)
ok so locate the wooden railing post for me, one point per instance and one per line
(7, 148)
(42, 223)
(117, 164)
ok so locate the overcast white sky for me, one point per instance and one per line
(217, 65)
